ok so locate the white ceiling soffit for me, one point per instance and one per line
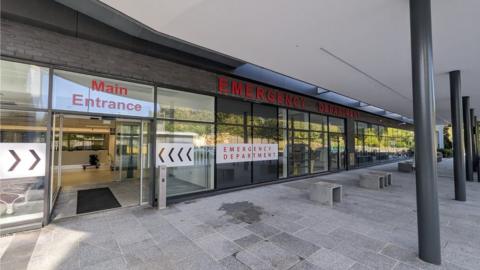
(359, 49)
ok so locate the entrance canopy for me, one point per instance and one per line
(351, 52)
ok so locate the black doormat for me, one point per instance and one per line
(96, 199)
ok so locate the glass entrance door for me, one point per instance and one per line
(94, 155)
(132, 155)
(57, 127)
(127, 150)
(336, 152)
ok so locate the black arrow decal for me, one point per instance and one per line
(160, 155)
(36, 161)
(179, 152)
(170, 154)
(188, 154)
(17, 160)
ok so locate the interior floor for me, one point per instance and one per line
(80, 177)
(127, 193)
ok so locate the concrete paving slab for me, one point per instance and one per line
(271, 227)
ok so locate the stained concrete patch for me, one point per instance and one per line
(244, 211)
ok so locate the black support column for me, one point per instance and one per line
(474, 142)
(457, 132)
(424, 119)
(467, 125)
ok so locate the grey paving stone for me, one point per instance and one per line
(179, 248)
(463, 260)
(329, 259)
(277, 257)
(402, 266)
(252, 261)
(294, 244)
(305, 265)
(199, 261)
(359, 266)
(262, 229)
(233, 231)
(90, 255)
(232, 263)
(319, 239)
(113, 264)
(248, 240)
(217, 246)
(196, 231)
(366, 257)
(357, 240)
(283, 224)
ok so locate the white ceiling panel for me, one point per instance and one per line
(360, 49)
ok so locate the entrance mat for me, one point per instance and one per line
(96, 199)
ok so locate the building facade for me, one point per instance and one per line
(85, 106)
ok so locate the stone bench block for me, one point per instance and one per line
(406, 166)
(387, 177)
(326, 193)
(372, 181)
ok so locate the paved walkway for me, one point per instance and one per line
(272, 227)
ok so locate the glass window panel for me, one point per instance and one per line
(298, 149)
(264, 171)
(282, 153)
(318, 122)
(236, 173)
(297, 120)
(84, 93)
(146, 161)
(336, 125)
(195, 178)
(264, 116)
(233, 111)
(23, 85)
(282, 118)
(319, 152)
(361, 128)
(184, 106)
(22, 196)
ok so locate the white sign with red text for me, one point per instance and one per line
(244, 152)
(78, 92)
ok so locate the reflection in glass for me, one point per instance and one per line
(282, 118)
(318, 122)
(298, 160)
(21, 199)
(181, 105)
(23, 85)
(336, 125)
(237, 173)
(233, 112)
(264, 116)
(188, 179)
(375, 143)
(282, 153)
(297, 120)
(264, 171)
(319, 152)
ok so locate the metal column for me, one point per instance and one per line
(467, 125)
(424, 119)
(474, 143)
(457, 132)
(475, 127)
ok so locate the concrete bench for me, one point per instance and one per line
(406, 166)
(387, 177)
(326, 193)
(372, 181)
